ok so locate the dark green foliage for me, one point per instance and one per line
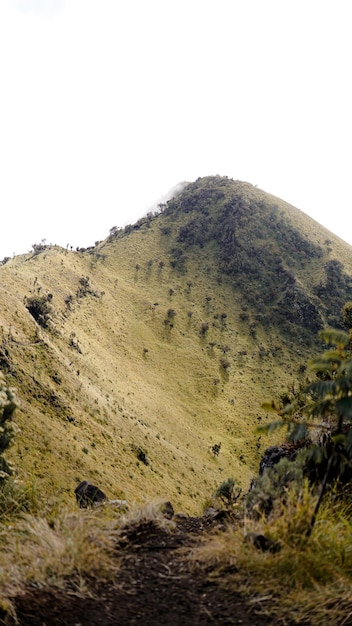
(347, 315)
(216, 449)
(296, 307)
(141, 456)
(258, 248)
(40, 308)
(84, 287)
(324, 406)
(194, 233)
(334, 290)
(272, 485)
(178, 260)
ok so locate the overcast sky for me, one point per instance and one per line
(107, 104)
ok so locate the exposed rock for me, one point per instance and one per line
(88, 495)
(287, 450)
(167, 510)
(215, 514)
(271, 457)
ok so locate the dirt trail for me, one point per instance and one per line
(155, 586)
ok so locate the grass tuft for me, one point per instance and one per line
(309, 581)
(70, 551)
(17, 498)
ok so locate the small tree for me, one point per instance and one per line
(8, 428)
(228, 492)
(328, 410)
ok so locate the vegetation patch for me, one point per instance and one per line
(40, 308)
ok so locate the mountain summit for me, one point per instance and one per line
(142, 363)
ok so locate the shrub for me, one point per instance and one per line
(327, 409)
(225, 363)
(271, 487)
(39, 308)
(306, 582)
(216, 449)
(227, 491)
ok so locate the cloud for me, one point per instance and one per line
(48, 8)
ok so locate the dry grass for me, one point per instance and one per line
(136, 383)
(173, 401)
(308, 582)
(150, 513)
(70, 549)
(16, 498)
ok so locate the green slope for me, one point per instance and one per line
(164, 340)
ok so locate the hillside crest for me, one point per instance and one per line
(160, 343)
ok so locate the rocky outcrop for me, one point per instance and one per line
(87, 494)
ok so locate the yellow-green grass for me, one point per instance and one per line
(110, 375)
(136, 382)
(309, 581)
(71, 550)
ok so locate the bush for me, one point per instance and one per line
(216, 449)
(327, 410)
(271, 487)
(39, 308)
(227, 491)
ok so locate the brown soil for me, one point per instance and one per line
(155, 586)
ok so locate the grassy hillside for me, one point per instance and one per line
(162, 342)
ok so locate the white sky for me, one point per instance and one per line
(107, 104)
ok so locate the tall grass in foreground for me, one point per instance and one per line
(68, 551)
(17, 498)
(309, 581)
(71, 550)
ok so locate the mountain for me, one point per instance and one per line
(141, 363)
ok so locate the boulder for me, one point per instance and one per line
(271, 457)
(88, 495)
